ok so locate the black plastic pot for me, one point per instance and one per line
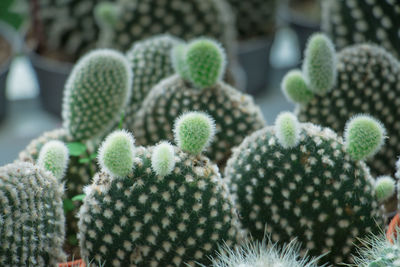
(254, 58)
(51, 76)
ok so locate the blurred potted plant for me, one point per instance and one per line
(256, 26)
(10, 21)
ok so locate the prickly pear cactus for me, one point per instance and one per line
(254, 18)
(378, 252)
(350, 22)
(31, 216)
(300, 179)
(197, 86)
(365, 78)
(157, 206)
(150, 62)
(263, 254)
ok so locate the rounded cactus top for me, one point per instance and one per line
(54, 157)
(295, 87)
(95, 93)
(202, 62)
(194, 131)
(163, 159)
(287, 129)
(116, 154)
(319, 66)
(385, 187)
(107, 13)
(364, 136)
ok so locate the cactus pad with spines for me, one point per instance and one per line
(148, 219)
(235, 113)
(313, 190)
(367, 81)
(32, 218)
(96, 93)
(350, 22)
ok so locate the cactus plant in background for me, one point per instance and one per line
(378, 252)
(31, 216)
(150, 62)
(300, 179)
(366, 81)
(197, 86)
(254, 18)
(157, 206)
(263, 254)
(362, 21)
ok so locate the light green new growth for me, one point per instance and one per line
(178, 56)
(194, 131)
(385, 187)
(205, 61)
(287, 129)
(364, 136)
(107, 13)
(163, 159)
(319, 65)
(295, 88)
(116, 153)
(54, 158)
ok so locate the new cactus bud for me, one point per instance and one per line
(385, 187)
(295, 88)
(287, 129)
(54, 157)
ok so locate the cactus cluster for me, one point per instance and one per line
(303, 180)
(362, 78)
(254, 18)
(197, 85)
(350, 22)
(31, 216)
(160, 205)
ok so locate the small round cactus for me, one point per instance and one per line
(314, 190)
(205, 62)
(295, 88)
(116, 153)
(287, 129)
(107, 13)
(364, 137)
(96, 92)
(163, 159)
(385, 187)
(194, 131)
(54, 157)
(319, 65)
(263, 254)
(171, 209)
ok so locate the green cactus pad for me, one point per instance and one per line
(145, 219)
(96, 92)
(54, 158)
(314, 191)
(31, 216)
(295, 88)
(205, 62)
(364, 136)
(116, 153)
(319, 66)
(385, 187)
(194, 131)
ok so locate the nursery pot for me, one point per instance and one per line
(394, 228)
(51, 76)
(253, 56)
(8, 42)
(75, 263)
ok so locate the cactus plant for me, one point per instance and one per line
(378, 252)
(31, 216)
(74, 27)
(263, 254)
(198, 86)
(317, 188)
(366, 78)
(362, 21)
(254, 18)
(150, 62)
(157, 206)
